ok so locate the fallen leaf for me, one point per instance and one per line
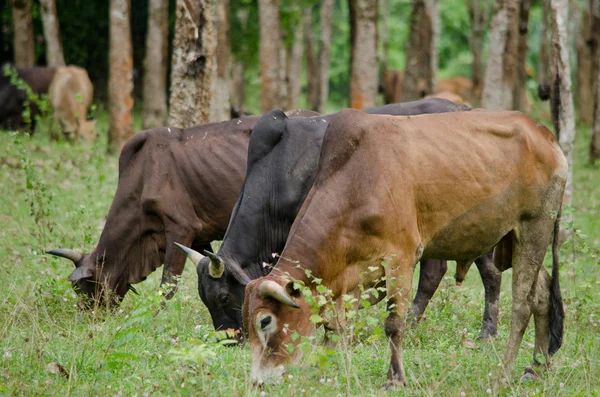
(58, 369)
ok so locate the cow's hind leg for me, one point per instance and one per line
(492, 279)
(432, 273)
(530, 239)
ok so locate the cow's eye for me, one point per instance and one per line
(224, 299)
(264, 322)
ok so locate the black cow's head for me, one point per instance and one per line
(221, 289)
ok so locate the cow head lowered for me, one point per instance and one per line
(274, 304)
(174, 185)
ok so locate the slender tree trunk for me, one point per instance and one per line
(502, 64)
(584, 94)
(421, 51)
(384, 35)
(478, 11)
(595, 21)
(544, 61)
(271, 49)
(192, 64)
(363, 60)
(324, 53)
(120, 83)
(519, 92)
(221, 105)
(312, 63)
(23, 33)
(561, 97)
(294, 67)
(154, 113)
(237, 88)
(54, 50)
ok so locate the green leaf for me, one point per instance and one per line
(315, 318)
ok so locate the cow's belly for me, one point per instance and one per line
(475, 231)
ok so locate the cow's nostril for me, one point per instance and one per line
(264, 322)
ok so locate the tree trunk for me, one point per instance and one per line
(544, 61)
(312, 63)
(294, 67)
(478, 11)
(421, 51)
(502, 64)
(54, 50)
(384, 35)
(154, 113)
(561, 98)
(584, 93)
(271, 50)
(220, 108)
(324, 54)
(23, 33)
(120, 83)
(237, 89)
(595, 21)
(192, 64)
(363, 59)
(519, 92)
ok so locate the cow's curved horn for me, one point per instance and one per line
(216, 267)
(66, 253)
(195, 256)
(272, 289)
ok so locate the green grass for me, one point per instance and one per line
(141, 349)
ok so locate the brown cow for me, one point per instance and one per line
(448, 186)
(71, 94)
(174, 185)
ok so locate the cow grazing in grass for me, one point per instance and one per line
(174, 185)
(282, 164)
(13, 99)
(449, 186)
(71, 94)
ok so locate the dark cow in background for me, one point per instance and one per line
(174, 185)
(12, 99)
(282, 163)
(449, 186)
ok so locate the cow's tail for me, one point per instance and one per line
(557, 312)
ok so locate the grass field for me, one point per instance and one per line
(57, 195)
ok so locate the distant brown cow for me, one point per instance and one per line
(458, 85)
(71, 94)
(401, 189)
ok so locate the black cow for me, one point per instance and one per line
(13, 99)
(282, 161)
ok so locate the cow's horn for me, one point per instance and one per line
(66, 253)
(195, 256)
(216, 267)
(272, 289)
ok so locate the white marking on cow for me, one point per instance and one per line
(323, 120)
(239, 122)
(169, 129)
(274, 118)
(205, 135)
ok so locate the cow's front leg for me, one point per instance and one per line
(174, 263)
(398, 283)
(432, 273)
(492, 279)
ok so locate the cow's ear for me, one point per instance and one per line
(81, 273)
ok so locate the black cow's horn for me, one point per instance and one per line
(216, 267)
(272, 289)
(195, 256)
(66, 253)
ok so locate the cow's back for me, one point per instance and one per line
(453, 172)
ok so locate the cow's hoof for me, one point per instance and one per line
(530, 374)
(487, 335)
(393, 384)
